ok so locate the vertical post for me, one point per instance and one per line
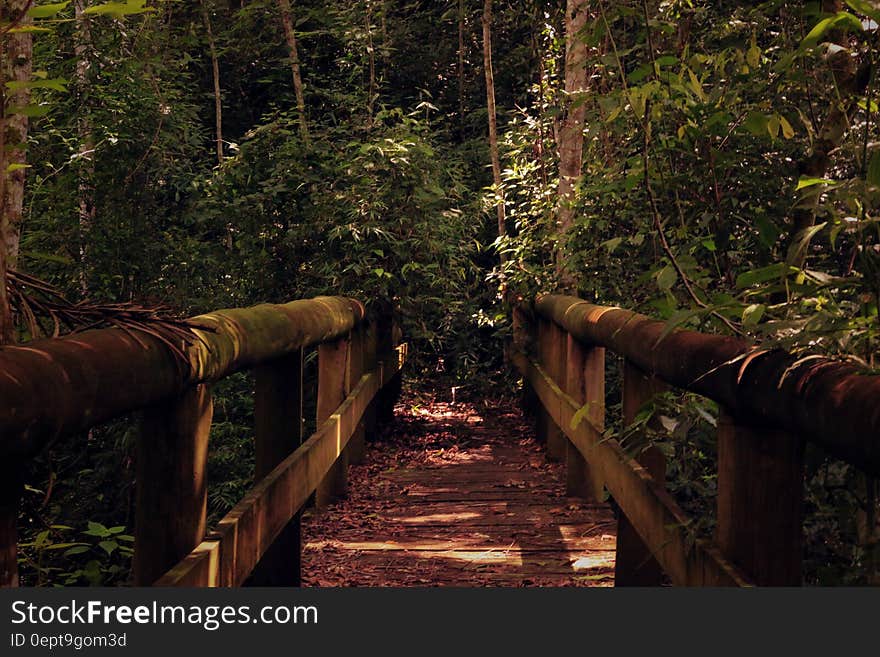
(634, 562)
(278, 415)
(371, 364)
(585, 383)
(11, 487)
(760, 500)
(553, 343)
(333, 364)
(172, 490)
(524, 340)
(387, 396)
(357, 446)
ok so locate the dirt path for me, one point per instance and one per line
(458, 495)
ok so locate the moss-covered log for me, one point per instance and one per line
(829, 402)
(56, 386)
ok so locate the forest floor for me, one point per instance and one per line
(458, 494)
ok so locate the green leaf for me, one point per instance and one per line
(756, 123)
(30, 111)
(809, 182)
(753, 314)
(17, 167)
(764, 274)
(47, 11)
(120, 9)
(97, 529)
(787, 130)
(108, 546)
(666, 278)
(843, 18)
(612, 244)
(869, 9)
(79, 549)
(58, 84)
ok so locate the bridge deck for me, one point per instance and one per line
(459, 495)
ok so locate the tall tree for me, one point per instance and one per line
(493, 121)
(218, 92)
(83, 48)
(290, 35)
(571, 132)
(16, 52)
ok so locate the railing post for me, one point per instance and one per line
(371, 364)
(634, 562)
(333, 379)
(11, 488)
(551, 348)
(278, 416)
(387, 397)
(357, 446)
(172, 491)
(585, 383)
(760, 500)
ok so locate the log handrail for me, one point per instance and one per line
(771, 403)
(54, 387)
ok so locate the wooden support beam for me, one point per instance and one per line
(659, 520)
(635, 563)
(278, 413)
(333, 381)
(585, 383)
(357, 446)
(551, 349)
(172, 490)
(10, 498)
(760, 501)
(371, 363)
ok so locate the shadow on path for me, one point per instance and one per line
(458, 495)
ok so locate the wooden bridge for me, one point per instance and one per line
(772, 404)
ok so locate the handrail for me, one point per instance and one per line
(53, 387)
(827, 401)
(68, 384)
(771, 403)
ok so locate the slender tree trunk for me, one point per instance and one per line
(571, 133)
(493, 123)
(82, 51)
(461, 30)
(371, 58)
(218, 95)
(290, 35)
(16, 53)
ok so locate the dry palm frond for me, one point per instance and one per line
(46, 312)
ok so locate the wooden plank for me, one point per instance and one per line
(228, 555)
(585, 383)
(357, 446)
(172, 490)
(760, 501)
(635, 564)
(659, 520)
(278, 414)
(334, 359)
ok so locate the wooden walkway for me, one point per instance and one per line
(458, 495)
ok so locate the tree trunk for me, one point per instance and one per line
(82, 51)
(850, 80)
(461, 29)
(16, 55)
(290, 35)
(493, 123)
(218, 96)
(371, 59)
(571, 133)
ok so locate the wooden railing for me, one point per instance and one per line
(771, 404)
(54, 387)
